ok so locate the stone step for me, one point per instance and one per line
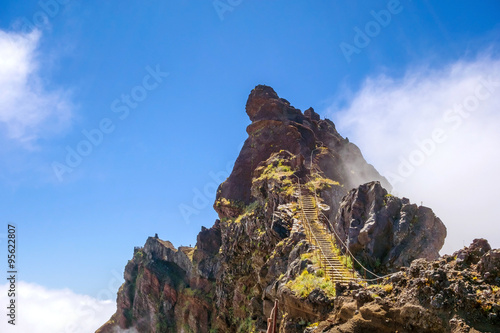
(344, 275)
(336, 271)
(321, 238)
(334, 263)
(335, 268)
(339, 274)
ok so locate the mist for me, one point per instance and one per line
(434, 133)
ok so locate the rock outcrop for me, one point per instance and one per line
(164, 291)
(277, 126)
(381, 229)
(445, 295)
(257, 252)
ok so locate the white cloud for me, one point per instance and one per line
(435, 135)
(41, 310)
(27, 109)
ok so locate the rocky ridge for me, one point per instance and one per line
(455, 293)
(376, 225)
(257, 251)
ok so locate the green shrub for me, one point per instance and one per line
(347, 261)
(247, 326)
(306, 282)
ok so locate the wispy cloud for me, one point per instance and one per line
(42, 310)
(28, 110)
(434, 134)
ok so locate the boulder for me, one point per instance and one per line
(383, 230)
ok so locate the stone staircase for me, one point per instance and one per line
(321, 239)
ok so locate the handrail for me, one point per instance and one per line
(324, 255)
(317, 208)
(359, 263)
(345, 246)
(349, 251)
(300, 200)
(338, 237)
(313, 235)
(316, 198)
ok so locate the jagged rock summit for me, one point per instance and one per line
(277, 126)
(304, 222)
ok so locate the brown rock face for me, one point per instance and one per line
(384, 230)
(446, 295)
(264, 104)
(276, 126)
(164, 290)
(257, 252)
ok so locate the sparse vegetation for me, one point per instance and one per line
(278, 171)
(347, 261)
(247, 326)
(251, 207)
(319, 183)
(306, 282)
(312, 256)
(226, 202)
(138, 255)
(307, 255)
(272, 171)
(248, 211)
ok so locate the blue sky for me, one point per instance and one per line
(74, 71)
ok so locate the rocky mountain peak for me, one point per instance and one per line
(308, 228)
(276, 126)
(264, 104)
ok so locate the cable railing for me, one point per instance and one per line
(300, 200)
(345, 245)
(312, 235)
(377, 277)
(348, 251)
(316, 198)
